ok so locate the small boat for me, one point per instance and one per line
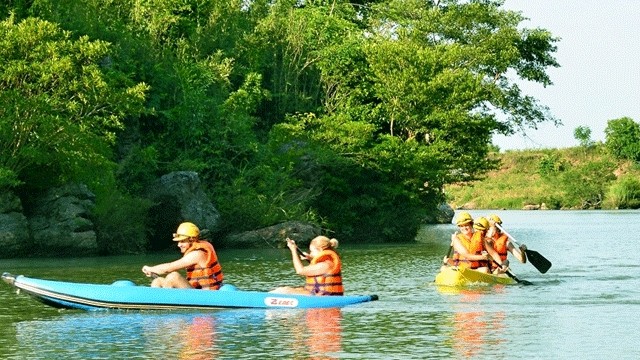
(125, 294)
(461, 276)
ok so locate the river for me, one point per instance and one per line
(585, 307)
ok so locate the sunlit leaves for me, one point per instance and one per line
(623, 138)
(60, 108)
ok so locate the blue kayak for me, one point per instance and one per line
(124, 294)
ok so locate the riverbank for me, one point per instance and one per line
(569, 178)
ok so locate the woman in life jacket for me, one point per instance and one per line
(199, 259)
(470, 246)
(324, 272)
(499, 241)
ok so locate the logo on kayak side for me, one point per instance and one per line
(282, 302)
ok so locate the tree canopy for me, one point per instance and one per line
(353, 115)
(61, 103)
(623, 138)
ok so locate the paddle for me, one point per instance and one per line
(511, 275)
(535, 258)
(301, 253)
(448, 255)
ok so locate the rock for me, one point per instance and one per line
(179, 197)
(9, 202)
(14, 227)
(274, 236)
(442, 215)
(531, 207)
(468, 206)
(60, 222)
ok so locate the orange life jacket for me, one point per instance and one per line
(474, 246)
(500, 245)
(209, 277)
(329, 283)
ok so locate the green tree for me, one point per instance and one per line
(410, 102)
(62, 104)
(201, 111)
(583, 135)
(622, 138)
(585, 185)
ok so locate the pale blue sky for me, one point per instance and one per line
(599, 77)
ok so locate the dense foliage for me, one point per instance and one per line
(623, 138)
(353, 115)
(61, 104)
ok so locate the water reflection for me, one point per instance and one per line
(476, 332)
(122, 334)
(302, 334)
(200, 337)
(313, 333)
(325, 336)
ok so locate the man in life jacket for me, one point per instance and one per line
(469, 245)
(324, 272)
(499, 241)
(198, 258)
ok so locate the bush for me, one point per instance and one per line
(261, 196)
(8, 178)
(624, 193)
(550, 164)
(121, 224)
(585, 184)
(138, 169)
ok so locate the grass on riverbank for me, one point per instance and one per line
(569, 178)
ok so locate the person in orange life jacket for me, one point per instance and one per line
(198, 258)
(470, 245)
(323, 274)
(464, 221)
(499, 241)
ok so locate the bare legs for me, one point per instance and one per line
(172, 280)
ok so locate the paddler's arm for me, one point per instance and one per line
(187, 260)
(493, 253)
(518, 252)
(460, 249)
(297, 263)
(309, 270)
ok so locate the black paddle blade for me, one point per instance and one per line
(523, 282)
(539, 261)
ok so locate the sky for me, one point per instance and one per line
(599, 77)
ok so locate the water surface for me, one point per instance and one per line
(586, 306)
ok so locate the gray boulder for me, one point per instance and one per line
(14, 227)
(179, 197)
(441, 215)
(60, 221)
(274, 236)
